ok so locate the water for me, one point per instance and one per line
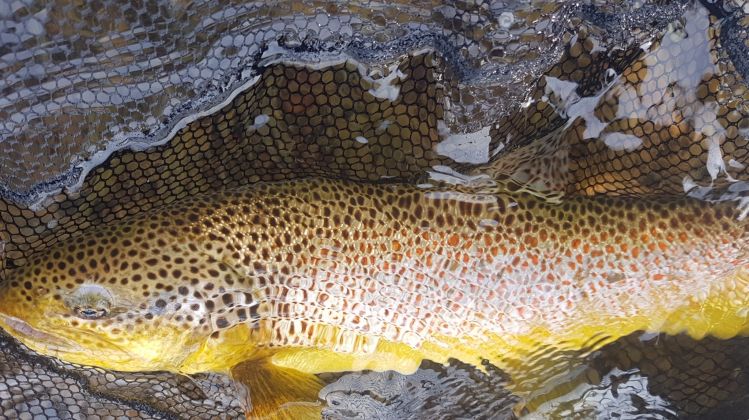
(620, 99)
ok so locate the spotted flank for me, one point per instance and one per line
(319, 276)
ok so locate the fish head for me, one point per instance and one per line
(109, 300)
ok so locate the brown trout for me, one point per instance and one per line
(321, 276)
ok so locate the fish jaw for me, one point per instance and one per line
(35, 338)
(162, 350)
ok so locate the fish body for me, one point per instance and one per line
(323, 275)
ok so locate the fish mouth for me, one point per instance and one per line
(34, 337)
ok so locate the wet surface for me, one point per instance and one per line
(375, 93)
(35, 386)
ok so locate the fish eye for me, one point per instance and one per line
(90, 302)
(90, 313)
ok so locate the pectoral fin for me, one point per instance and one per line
(278, 392)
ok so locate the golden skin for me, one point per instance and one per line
(322, 275)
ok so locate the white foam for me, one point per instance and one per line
(260, 121)
(573, 106)
(506, 19)
(735, 164)
(461, 196)
(464, 147)
(385, 88)
(688, 184)
(622, 141)
(715, 164)
(563, 89)
(362, 140)
(449, 175)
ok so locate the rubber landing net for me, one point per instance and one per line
(110, 108)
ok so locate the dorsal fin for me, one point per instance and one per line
(540, 167)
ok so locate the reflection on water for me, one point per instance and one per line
(455, 390)
(653, 376)
(325, 90)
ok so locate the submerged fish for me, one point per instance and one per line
(317, 276)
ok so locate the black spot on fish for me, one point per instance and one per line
(222, 322)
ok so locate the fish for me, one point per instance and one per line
(278, 282)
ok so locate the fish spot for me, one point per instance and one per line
(222, 322)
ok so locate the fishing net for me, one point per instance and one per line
(111, 108)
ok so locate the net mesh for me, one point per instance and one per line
(112, 108)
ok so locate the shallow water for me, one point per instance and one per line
(553, 91)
